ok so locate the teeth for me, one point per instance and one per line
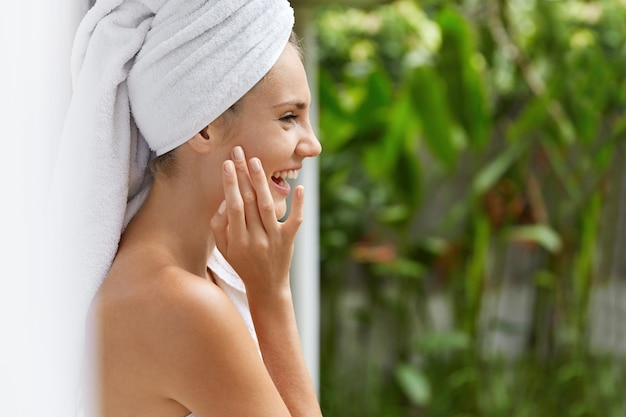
(291, 174)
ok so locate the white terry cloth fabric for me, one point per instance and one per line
(230, 282)
(147, 75)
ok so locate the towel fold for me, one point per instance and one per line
(231, 283)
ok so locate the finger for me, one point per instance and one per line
(265, 202)
(234, 204)
(219, 225)
(296, 215)
(248, 194)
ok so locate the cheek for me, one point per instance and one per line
(264, 153)
(271, 146)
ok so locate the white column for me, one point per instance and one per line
(305, 267)
(35, 40)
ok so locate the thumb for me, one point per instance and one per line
(296, 216)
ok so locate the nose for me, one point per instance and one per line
(308, 145)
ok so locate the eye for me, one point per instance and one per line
(288, 118)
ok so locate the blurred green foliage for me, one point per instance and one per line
(467, 142)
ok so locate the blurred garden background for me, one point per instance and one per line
(473, 208)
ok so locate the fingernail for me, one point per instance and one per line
(255, 164)
(238, 153)
(229, 167)
(222, 207)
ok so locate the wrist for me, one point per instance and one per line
(266, 297)
(268, 290)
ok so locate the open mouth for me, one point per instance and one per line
(279, 178)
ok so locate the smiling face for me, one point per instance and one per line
(272, 123)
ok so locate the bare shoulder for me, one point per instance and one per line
(171, 340)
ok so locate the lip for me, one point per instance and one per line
(284, 188)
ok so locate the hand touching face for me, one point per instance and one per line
(246, 231)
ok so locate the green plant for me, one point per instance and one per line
(470, 148)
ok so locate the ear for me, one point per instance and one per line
(201, 142)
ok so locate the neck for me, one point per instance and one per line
(176, 222)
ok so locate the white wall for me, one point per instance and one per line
(35, 41)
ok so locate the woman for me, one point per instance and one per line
(168, 332)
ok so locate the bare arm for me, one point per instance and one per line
(278, 339)
(260, 249)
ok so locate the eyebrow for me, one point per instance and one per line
(299, 104)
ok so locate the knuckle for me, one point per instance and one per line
(241, 166)
(297, 216)
(261, 245)
(236, 209)
(295, 224)
(266, 205)
(248, 197)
